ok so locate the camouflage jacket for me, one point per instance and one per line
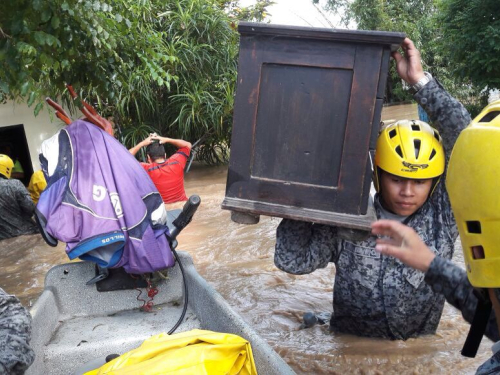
(15, 333)
(451, 281)
(17, 208)
(375, 295)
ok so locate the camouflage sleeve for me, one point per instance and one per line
(24, 199)
(446, 113)
(449, 117)
(302, 247)
(446, 278)
(15, 333)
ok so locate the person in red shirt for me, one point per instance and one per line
(167, 174)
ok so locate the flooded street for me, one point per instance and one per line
(238, 261)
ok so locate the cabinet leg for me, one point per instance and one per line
(243, 218)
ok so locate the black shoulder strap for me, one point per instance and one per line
(162, 165)
(183, 154)
(41, 223)
(478, 326)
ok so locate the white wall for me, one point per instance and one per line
(37, 129)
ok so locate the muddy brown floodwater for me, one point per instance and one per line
(238, 261)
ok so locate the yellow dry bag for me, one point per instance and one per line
(192, 352)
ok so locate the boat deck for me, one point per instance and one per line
(83, 338)
(74, 324)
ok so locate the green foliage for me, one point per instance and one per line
(459, 40)
(132, 135)
(408, 16)
(206, 45)
(341, 8)
(153, 65)
(256, 13)
(411, 17)
(91, 44)
(471, 40)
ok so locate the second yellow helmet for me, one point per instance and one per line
(6, 165)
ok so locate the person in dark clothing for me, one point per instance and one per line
(444, 277)
(15, 334)
(17, 170)
(473, 185)
(376, 296)
(16, 206)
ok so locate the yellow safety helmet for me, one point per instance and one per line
(6, 165)
(409, 149)
(473, 184)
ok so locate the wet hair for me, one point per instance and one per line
(155, 150)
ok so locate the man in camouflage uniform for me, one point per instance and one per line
(473, 185)
(451, 281)
(374, 295)
(16, 206)
(15, 333)
(444, 277)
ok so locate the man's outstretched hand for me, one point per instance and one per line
(402, 242)
(408, 64)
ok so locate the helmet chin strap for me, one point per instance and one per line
(435, 182)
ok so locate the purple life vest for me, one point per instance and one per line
(101, 202)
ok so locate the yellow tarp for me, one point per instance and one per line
(192, 352)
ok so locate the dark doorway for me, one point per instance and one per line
(13, 142)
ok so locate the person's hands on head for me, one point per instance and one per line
(402, 242)
(161, 140)
(409, 64)
(147, 141)
(156, 137)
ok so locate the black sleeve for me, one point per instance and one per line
(446, 278)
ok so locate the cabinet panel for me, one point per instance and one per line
(296, 104)
(306, 112)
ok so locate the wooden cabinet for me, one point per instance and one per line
(307, 112)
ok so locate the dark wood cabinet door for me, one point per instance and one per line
(304, 122)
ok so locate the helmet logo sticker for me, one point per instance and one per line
(413, 167)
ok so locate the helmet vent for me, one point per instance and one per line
(436, 135)
(398, 150)
(474, 227)
(490, 116)
(477, 252)
(433, 153)
(415, 128)
(393, 133)
(416, 146)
